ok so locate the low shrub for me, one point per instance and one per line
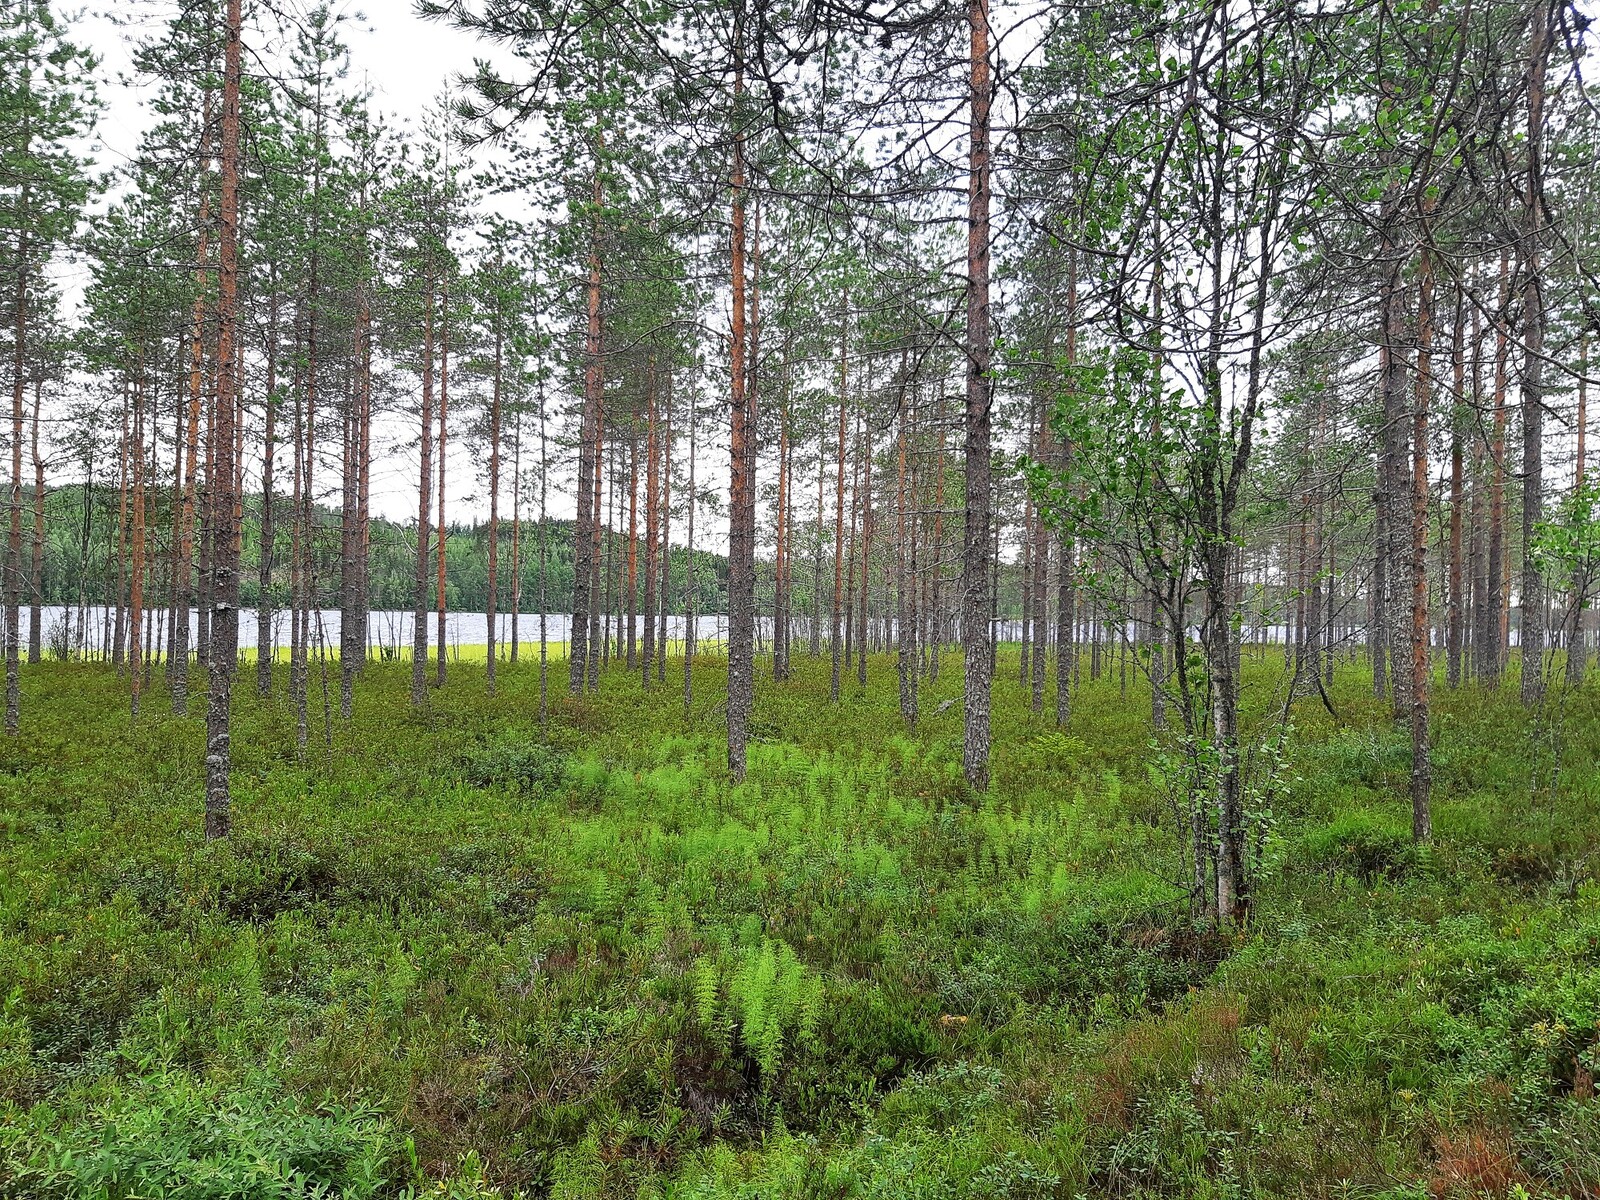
(174, 1137)
(1367, 845)
(522, 768)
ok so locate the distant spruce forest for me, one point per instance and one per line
(80, 557)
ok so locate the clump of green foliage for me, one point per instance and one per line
(1367, 845)
(524, 767)
(769, 998)
(169, 1134)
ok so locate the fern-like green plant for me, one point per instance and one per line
(705, 986)
(771, 997)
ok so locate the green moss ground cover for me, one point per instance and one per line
(458, 956)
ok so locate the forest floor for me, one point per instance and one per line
(455, 956)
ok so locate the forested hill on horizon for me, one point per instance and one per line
(78, 562)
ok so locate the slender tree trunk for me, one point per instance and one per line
(1494, 636)
(1222, 566)
(264, 597)
(1577, 646)
(1421, 764)
(652, 532)
(1377, 614)
(996, 523)
(1066, 579)
(364, 485)
(816, 554)
(493, 593)
(544, 607)
(780, 581)
(1532, 635)
(36, 565)
(942, 621)
(596, 536)
(419, 599)
(119, 634)
(753, 423)
(631, 585)
(225, 558)
(692, 575)
(1025, 569)
(310, 617)
(1295, 567)
(611, 608)
(836, 646)
(1312, 632)
(19, 383)
(309, 603)
(582, 533)
(206, 579)
(1477, 573)
(178, 660)
(975, 551)
(850, 553)
(136, 654)
(442, 534)
(297, 532)
(664, 553)
(866, 553)
(352, 539)
(1395, 476)
(516, 533)
(905, 574)
(741, 484)
(1457, 613)
(1041, 593)
(81, 637)
(347, 551)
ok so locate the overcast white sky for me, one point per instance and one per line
(404, 59)
(406, 62)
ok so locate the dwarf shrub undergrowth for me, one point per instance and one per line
(464, 955)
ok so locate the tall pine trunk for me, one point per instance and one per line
(492, 594)
(136, 569)
(419, 595)
(19, 383)
(652, 532)
(264, 593)
(1421, 765)
(664, 552)
(441, 534)
(1395, 476)
(588, 433)
(1457, 599)
(866, 553)
(976, 423)
(1532, 634)
(741, 484)
(1067, 578)
(836, 644)
(1492, 651)
(1577, 647)
(119, 629)
(224, 647)
(905, 571)
(178, 660)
